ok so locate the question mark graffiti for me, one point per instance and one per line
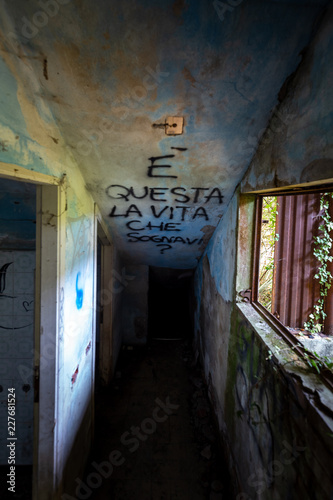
(164, 245)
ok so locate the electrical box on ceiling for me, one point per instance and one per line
(174, 125)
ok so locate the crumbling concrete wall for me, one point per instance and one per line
(275, 416)
(276, 423)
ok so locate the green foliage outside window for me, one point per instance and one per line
(323, 253)
(268, 239)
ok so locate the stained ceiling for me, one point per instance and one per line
(111, 74)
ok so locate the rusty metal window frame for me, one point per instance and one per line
(325, 374)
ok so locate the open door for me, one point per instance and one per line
(17, 332)
(31, 231)
(104, 339)
(99, 314)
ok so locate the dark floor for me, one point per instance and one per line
(155, 424)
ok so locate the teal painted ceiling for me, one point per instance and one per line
(106, 72)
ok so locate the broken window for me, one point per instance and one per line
(293, 268)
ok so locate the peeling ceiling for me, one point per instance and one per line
(109, 74)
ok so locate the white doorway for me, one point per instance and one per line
(31, 276)
(17, 305)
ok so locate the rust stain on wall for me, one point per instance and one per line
(178, 7)
(208, 233)
(75, 374)
(45, 70)
(188, 75)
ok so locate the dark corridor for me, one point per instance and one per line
(169, 299)
(156, 437)
(155, 434)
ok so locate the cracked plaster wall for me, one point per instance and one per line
(276, 421)
(27, 139)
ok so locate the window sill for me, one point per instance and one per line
(319, 395)
(315, 342)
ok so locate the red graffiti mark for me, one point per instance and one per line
(88, 348)
(75, 374)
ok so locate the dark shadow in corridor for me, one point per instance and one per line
(155, 435)
(169, 314)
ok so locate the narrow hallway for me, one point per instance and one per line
(155, 426)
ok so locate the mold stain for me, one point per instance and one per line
(45, 69)
(3, 146)
(178, 7)
(188, 76)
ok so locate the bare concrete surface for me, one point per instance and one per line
(155, 438)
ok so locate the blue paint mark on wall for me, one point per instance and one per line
(79, 293)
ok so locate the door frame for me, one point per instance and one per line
(106, 337)
(50, 262)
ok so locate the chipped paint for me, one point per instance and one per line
(270, 406)
(75, 374)
(292, 151)
(79, 97)
(99, 88)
